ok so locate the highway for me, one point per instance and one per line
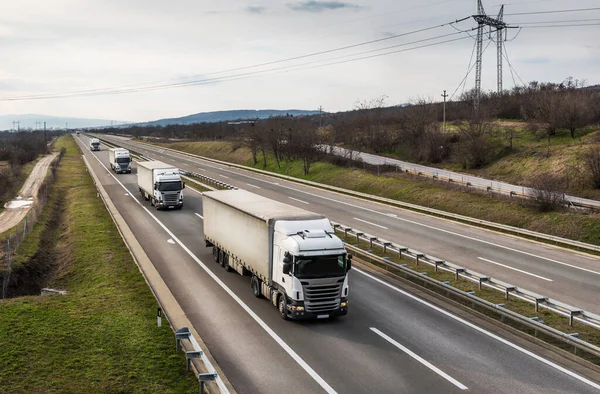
(390, 342)
(474, 181)
(564, 275)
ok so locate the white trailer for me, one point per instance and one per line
(293, 256)
(120, 160)
(161, 184)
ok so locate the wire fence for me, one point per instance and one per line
(11, 239)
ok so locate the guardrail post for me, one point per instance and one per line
(400, 251)
(508, 290)
(189, 356)
(483, 279)
(438, 262)
(371, 239)
(358, 237)
(182, 333)
(537, 302)
(419, 255)
(385, 245)
(206, 377)
(458, 272)
(346, 231)
(573, 314)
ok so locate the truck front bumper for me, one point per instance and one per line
(304, 315)
(162, 205)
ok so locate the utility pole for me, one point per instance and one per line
(45, 141)
(444, 96)
(320, 116)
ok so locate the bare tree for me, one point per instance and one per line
(548, 191)
(420, 131)
(508, 134)
(542, 110)
(575, 113)
(475, 148)
(369, 124)
(592, 161)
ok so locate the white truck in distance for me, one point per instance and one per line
(120, 160)
(293, 256)
(94, 144)
(161, 184)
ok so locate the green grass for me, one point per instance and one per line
(102, 336)
(549, 318)
(568, 224)
(12, 192)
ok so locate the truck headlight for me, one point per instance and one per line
(296, 308)
(343, 304)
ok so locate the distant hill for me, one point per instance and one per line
(28, 121)
(220, 116)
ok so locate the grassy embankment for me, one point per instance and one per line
(568, 224)
(101, 336)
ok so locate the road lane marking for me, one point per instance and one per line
(249, 184)
(372, 224)
(223, 176)
(241, 172)
(481, 330)
(295, 199)
(201, 169)
(515, 269)
(170, 241)
(200, 216)
(420, 359)
(307, 368)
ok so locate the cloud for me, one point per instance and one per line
(255, 9)
(320, 6)
(536, 60)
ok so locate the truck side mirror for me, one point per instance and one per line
(156, 186)
(287, 267)
(349, 263)
(182, 185)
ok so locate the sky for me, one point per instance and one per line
(54, 47)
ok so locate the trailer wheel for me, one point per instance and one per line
(255, 283)
(216, 253)
(226, 263)
(281, 306)
(221, 258)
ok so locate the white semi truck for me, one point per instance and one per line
(94, 144)
(120, 160)
(293, 256)
(161, 184)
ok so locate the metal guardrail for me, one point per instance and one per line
(400, 204)
(570, 312)
(466, 180)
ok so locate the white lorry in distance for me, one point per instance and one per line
(161, 184)
(293, 256)
(94, 144)
(120, 160)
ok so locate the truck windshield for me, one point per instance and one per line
(320, 267)
(122, 160)
(169, 186)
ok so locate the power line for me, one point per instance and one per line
(567, 21)
(511, 67)
(248, 74)
(555, 11)
(576, 25)
(470, 68)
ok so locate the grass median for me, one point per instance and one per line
(101, 336)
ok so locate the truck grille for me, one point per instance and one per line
(171, 198)
(322, 295)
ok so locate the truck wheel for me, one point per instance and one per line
(226, 263)
(281, 306)
(255, 283)
(216, 253)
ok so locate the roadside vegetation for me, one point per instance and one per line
(101, 336)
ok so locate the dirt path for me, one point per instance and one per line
(17, 209)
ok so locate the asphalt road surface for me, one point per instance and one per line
(390, 342)
(564, 275)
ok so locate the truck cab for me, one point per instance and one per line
(120, 160)
(310, 266)
(168, 189)
(94, 144)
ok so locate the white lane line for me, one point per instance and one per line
(223, 176)
(372, 224)
(411, 221)
(313, 374)
(295, 199)
(170, 241)
(484, 332)
(515, 269)
(200, 216)
(420, 359)
(201, 169)
(249, 184)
